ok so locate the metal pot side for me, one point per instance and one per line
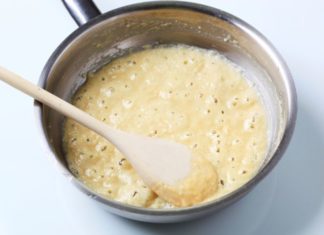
(133, 27)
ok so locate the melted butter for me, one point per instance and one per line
(189, 95)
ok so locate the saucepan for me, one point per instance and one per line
(102, 37)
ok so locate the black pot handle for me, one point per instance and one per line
(81, 10)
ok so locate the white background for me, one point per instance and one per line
(36, 199)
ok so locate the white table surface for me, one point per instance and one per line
(36, 199)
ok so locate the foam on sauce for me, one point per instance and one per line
(192, 96)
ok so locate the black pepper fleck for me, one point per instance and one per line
(121, 161)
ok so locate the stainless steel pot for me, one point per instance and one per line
(101, 37)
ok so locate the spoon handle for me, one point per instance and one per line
(56, 103)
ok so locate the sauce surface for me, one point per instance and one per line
(192, 96)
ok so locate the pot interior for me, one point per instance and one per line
(113, 35)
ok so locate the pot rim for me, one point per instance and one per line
(199, 8)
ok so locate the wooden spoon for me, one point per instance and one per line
(168, 168)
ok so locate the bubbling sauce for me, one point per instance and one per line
(193, 96)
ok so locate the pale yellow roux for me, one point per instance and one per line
(182, 93)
